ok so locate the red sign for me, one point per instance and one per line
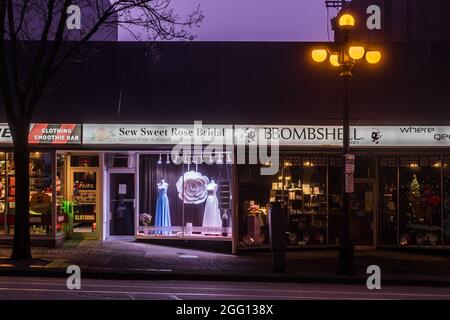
(47, 133)
(349, 163)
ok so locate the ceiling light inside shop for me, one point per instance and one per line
(167, 159)
(159, 161)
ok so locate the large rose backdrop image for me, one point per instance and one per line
(194, 187)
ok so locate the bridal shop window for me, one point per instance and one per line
(189, 200)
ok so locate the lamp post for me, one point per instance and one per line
(344, 56)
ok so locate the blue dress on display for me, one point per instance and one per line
(162, 218)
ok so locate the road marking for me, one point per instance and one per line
(175, 297)
(55, 263)
(130, 269)
(373, 294)
(188, 256)
(126, 293)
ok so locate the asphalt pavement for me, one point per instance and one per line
(121, 260)
(56, 288)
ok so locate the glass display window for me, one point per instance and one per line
(63, 205)
(300, 184)
(192, 199)
(40, 170)
(446, 200)
(3, 193)
(388, 191)
(304, 185)
(420, 200)
(85, 200)
(255, 194)
(334, 198)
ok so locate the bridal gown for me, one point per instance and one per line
(211, 215)
(162, 218)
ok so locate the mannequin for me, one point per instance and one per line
(162, 218)
(211, 215)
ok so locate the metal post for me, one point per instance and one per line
(346, 254)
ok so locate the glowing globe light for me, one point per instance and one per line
(356, 52)
(334, 60)
(373, 57)
(319, 55)
(346, 20)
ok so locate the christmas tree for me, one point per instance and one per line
(414, 197)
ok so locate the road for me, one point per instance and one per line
(55, 288)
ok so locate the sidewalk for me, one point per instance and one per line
(134, 260)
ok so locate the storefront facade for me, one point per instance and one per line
(107, 181)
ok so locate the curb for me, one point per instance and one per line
(167, 275)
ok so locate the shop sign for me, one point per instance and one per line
(62, 133)
(46, 133)
(289, 135)
(5, 133)
(360, 136)
(403, 136)
(157, 134)
(85, 217)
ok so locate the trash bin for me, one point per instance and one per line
(277, 235)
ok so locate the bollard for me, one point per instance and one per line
(277, 235)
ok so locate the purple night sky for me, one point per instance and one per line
(256, 20)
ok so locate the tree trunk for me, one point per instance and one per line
(22, 246)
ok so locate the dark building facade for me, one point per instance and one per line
(402, 20)
(103, 138)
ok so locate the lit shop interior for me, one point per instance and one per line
(398, 200)
(41, 194)
(189, 197)
(144, 195)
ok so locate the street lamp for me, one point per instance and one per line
(344, 56)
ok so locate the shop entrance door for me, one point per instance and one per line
(85, 196)
(122, 203)
(362, 213)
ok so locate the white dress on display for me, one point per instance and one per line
(211, 216)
